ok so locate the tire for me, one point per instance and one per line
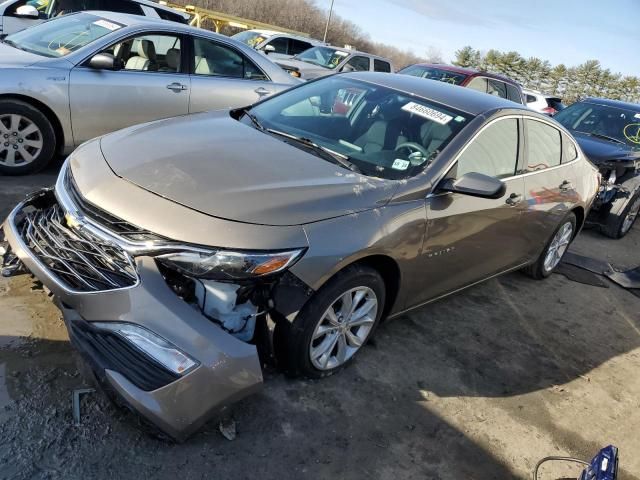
(298, 339)
(617, 226)
(539, 269)
(27, 138)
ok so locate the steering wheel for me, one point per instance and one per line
(413, 147)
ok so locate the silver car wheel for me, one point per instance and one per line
(558, 246)
(631, 216)
(343, 328)
(21, 140)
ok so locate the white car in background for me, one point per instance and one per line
(276, 44)
(547, 104)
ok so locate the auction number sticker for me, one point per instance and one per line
(429, 113)
(108, 25)
(400, 164)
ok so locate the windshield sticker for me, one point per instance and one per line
(400, 164)
(632, 133)
(637, 115)
(426, 112)
(108, 25)
(459, 119)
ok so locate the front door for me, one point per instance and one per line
(471, 238)
(150, 85)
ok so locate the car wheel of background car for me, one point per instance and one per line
(334, 325)
(27, 139)
(555, 249)
(617, 226)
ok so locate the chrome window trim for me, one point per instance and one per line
(520, 175)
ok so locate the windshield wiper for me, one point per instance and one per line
(604, 137)
(334, 156)
(13, 44)
(253, 119)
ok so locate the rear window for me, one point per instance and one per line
(432, 73)
(381, 66)
(531, 98)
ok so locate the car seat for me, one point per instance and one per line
(172, 59)
(146, 58)
(381, 135)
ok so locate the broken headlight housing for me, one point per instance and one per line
(230, 265)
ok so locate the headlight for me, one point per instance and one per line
(229, 265)
(156, 347)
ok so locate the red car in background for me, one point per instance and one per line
(486, 82)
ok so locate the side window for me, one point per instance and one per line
(415, 71)
(359, 64)
(569, 151)
(513, 93)
(478, 83)
(149, 53)
(531, 98)
(123, 6)
(281, 44)
(542, 147)
(381, 66)
(297, 46)
(214, 59)
(493, 152)
(497, 88)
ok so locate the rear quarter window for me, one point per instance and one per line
(381, 66)
(543, 146)
(569, 151)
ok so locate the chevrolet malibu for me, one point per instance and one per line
(86, 74)
(179, 249)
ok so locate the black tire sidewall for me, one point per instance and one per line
(623, 215)
(48, 136)
(301, 330)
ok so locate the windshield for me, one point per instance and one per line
(616, 123)
(324, 56)
(253, 39)
(434, 74)
(380, 131)
(61, 36)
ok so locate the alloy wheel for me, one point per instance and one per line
(21, 140)
(343, 328)
(631, 216)
(558, 246)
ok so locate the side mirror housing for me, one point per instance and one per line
(269, 49)
(475, 185)
(27, 11)
(103, 61)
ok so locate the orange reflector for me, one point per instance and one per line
(271, 265)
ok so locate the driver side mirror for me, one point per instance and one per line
(27, 11)
(104, 61)
(475, 185)
(269, 49)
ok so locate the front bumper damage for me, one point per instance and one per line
(227, 369)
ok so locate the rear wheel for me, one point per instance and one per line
(617, 226)
(336, 323)
(556, 247)
(27, 138)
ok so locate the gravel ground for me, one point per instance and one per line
(477, 386)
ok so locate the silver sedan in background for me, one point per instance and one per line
(74, 78)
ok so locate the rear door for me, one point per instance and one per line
(470, 238)
(550, 180)
(223, 77)
(151, 85)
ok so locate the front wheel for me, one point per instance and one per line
(555, 249)
(617, 226)
(336, 322)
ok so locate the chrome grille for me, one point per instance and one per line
(80, 260)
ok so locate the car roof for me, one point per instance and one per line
(611, 103)
(472, 72)
(459, 98)
(352, 51)
(131, 20)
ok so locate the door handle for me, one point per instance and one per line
(177, 87)
(566, 186)
(513, 199)
(262, 91)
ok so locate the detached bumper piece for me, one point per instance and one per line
(108, 351)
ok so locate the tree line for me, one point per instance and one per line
(588, 79)
(571, 83)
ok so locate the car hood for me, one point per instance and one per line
(216, 165)
(13, 57)
(308, 70)
(599, 150)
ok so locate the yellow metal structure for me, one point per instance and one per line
(202, 17)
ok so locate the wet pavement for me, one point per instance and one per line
(477, 386)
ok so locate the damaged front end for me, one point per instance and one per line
(174, 330)
(620, 179)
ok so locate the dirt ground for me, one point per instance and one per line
(477, 386)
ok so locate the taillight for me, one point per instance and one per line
(550, 111)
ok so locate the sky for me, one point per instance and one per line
(561, 31)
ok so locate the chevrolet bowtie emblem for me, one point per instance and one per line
(73, 221)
